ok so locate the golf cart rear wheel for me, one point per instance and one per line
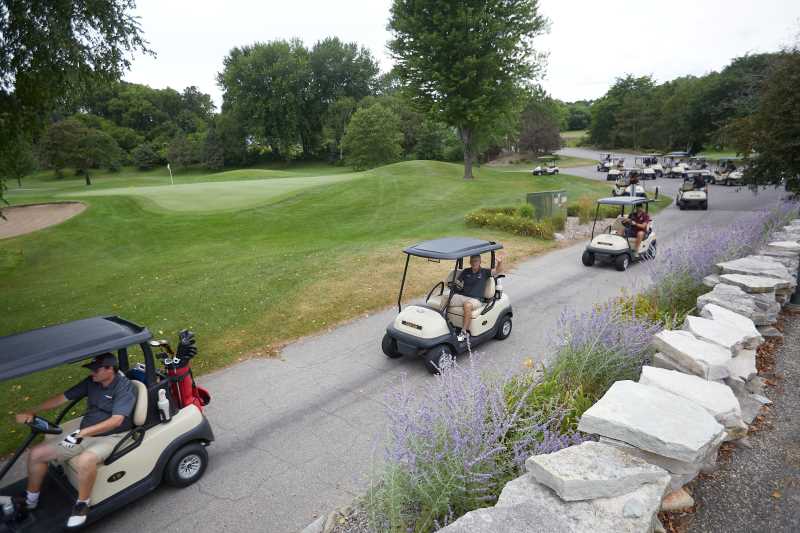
(587, 258)
(504, 328)
(621, 262)
(436, 357)
(187, 465)
(389, 347)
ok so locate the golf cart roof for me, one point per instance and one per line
(622, 200)
(678, 154)
(452, 248)
(40, 349)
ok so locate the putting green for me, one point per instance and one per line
(219, 196)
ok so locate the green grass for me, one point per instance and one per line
(573, 138)
(717, 154)
(278, 262)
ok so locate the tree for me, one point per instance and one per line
(372, 138)
(213, 150)
(52, 51)
(465, 61)
(60, 142)
(335, 121)
(18, 161)
(770, 136)
(181, 152)
(431, 139)
(95, 149)
(144, 157)
(539, 125)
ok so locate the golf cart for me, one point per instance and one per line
(649, 166)
(727, 172)
(615, 174)
(609, 161)
(609, 245)
(708, 176)
(166, 443)
(624, 187)
(549, 169)
(431, 329)
(689, 196)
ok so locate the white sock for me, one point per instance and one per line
(32, 497)
(83, 501)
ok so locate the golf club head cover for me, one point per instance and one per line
(71, 440)
(186, 346)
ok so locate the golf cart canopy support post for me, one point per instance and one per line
(40, 349)
(622, 202)
(451, 248)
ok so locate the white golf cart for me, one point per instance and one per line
(624, 187)
(728, 173)
(549, 170)
(615, 174)
(431, 329)
(649, 167)
(168, 439)
(610, 244)
(690, 196)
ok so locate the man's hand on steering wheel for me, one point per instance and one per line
(24, 418)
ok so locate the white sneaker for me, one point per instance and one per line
(461, 337)
(78, 516)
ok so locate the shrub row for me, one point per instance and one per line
(516, 220)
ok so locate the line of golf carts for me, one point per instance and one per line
(677, 165)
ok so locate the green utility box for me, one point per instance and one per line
(548, 204)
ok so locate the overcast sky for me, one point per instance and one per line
(589, 44)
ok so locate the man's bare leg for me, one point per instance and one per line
(37, 465)
(86, 464)
(467, 316)
(639, 238)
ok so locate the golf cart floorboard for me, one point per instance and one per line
(55, 505)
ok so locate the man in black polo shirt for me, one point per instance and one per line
(469, 287)
(636, 226)
(111, 399)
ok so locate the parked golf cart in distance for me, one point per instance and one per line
(169, 434)
(549, 170)
(688, 196)
(650, 166)
(609, 246)
(431, 329)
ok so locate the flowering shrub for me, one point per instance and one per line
(596, 348)
(508, 219)
(452, 446)
(678, 272)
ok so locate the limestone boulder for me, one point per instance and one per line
(719, 333)
(696, 356)
(789, 261)
(653, 420)
(785, 246)
(593, 470)
(711, 280)
(757, 266)
(755, 284)
(716, 398)
(739, 322)
(761, 308)
(743, 366)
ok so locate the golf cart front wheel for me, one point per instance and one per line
(504, 328)
(437, 356)
(704, 206)
(187, 465)
(587, 258)
(651, 252)
(622, 262)
(389, 347)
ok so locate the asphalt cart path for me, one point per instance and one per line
(297, 435)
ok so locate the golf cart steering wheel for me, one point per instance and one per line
(41, 425)
(441, 291)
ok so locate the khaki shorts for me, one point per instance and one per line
(459, 300)
(100, 446)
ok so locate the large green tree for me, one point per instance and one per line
(373, 137)
(539, 125)
(465, 62)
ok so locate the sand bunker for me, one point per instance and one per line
(29, 218)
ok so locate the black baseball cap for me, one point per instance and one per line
(104, 359)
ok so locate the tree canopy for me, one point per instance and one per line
(465, 62)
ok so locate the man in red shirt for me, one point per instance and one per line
(636, 225)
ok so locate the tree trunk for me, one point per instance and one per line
(88, 179)
(466, 138)
(19, 182)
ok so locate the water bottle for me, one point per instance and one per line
(163, 404)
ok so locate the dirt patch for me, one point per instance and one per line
(24, 219)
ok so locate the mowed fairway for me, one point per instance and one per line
(219, 195)
(285, 263)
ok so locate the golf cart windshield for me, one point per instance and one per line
(40, 349)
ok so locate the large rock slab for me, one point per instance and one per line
(699, 357)
(743, 366)
(757, 266)
(789, 261)
(719, 333)
(653, 420)
(785, 246)
(739, 322)
(761, 308)
(755, 284)
(593, 470)
(714, 397)
(526, 506)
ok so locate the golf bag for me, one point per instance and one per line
(183, 388)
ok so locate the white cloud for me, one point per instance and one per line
(590, 43)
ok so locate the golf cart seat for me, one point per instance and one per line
(458, 311)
